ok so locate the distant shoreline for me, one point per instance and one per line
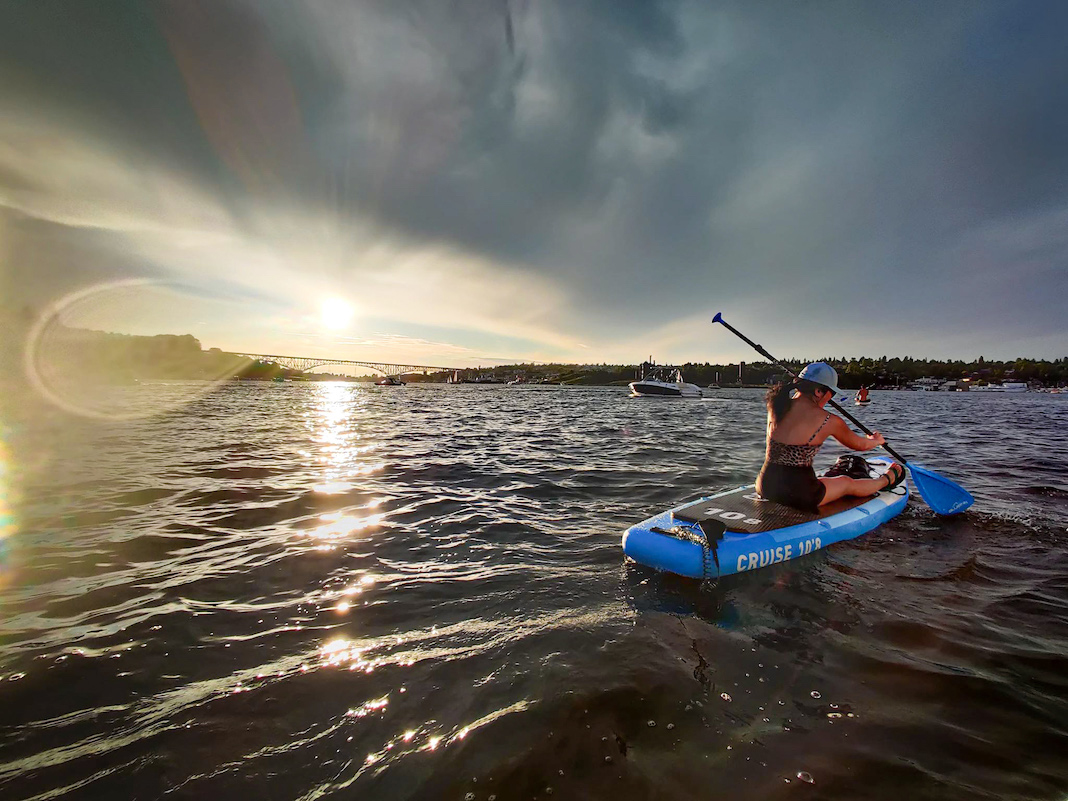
(127, 357)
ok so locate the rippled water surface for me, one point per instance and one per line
(300, 591)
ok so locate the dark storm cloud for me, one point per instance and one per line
(105, 70)
(812, 160)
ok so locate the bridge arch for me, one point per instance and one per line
(303, 363)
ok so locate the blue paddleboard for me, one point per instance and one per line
(738, 531)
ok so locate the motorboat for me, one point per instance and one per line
(1008, 386)
(389, 381)
(662, 381)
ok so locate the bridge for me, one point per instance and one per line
(308, 362)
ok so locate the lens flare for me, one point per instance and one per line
(7, 516)
(76, 358)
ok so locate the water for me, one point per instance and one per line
(302, 591)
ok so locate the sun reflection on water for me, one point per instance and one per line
(333, 422)
(338, 486)
(346, 654)
(371, 706)
(410, 737)
(345, 525)
(342, 653)
(427, 736)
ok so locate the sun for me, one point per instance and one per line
(335, 313)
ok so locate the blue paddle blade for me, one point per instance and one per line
(941, 494)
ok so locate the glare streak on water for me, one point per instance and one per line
(317, 590)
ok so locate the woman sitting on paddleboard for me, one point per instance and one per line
(797, 427)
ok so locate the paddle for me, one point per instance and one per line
(941, 494)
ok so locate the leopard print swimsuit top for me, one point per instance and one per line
(794, 455)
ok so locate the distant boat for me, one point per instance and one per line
(389, 381)
(662, 381)
(926, 384)
(1008, 386)
(482, 378)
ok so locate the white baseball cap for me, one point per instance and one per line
(823, 374)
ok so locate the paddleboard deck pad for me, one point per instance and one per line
(738, 531)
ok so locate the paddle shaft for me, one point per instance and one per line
(759, 349)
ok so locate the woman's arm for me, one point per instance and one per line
(844, 434)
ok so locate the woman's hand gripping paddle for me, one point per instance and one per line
(944, 496)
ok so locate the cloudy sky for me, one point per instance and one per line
(466, 181)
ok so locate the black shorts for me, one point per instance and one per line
(792, 486)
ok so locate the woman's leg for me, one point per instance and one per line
(840, 486)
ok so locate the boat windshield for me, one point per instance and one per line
(659, 372)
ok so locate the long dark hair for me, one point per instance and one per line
(780, 396)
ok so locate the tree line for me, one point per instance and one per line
(125, 356)
(852, 372)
